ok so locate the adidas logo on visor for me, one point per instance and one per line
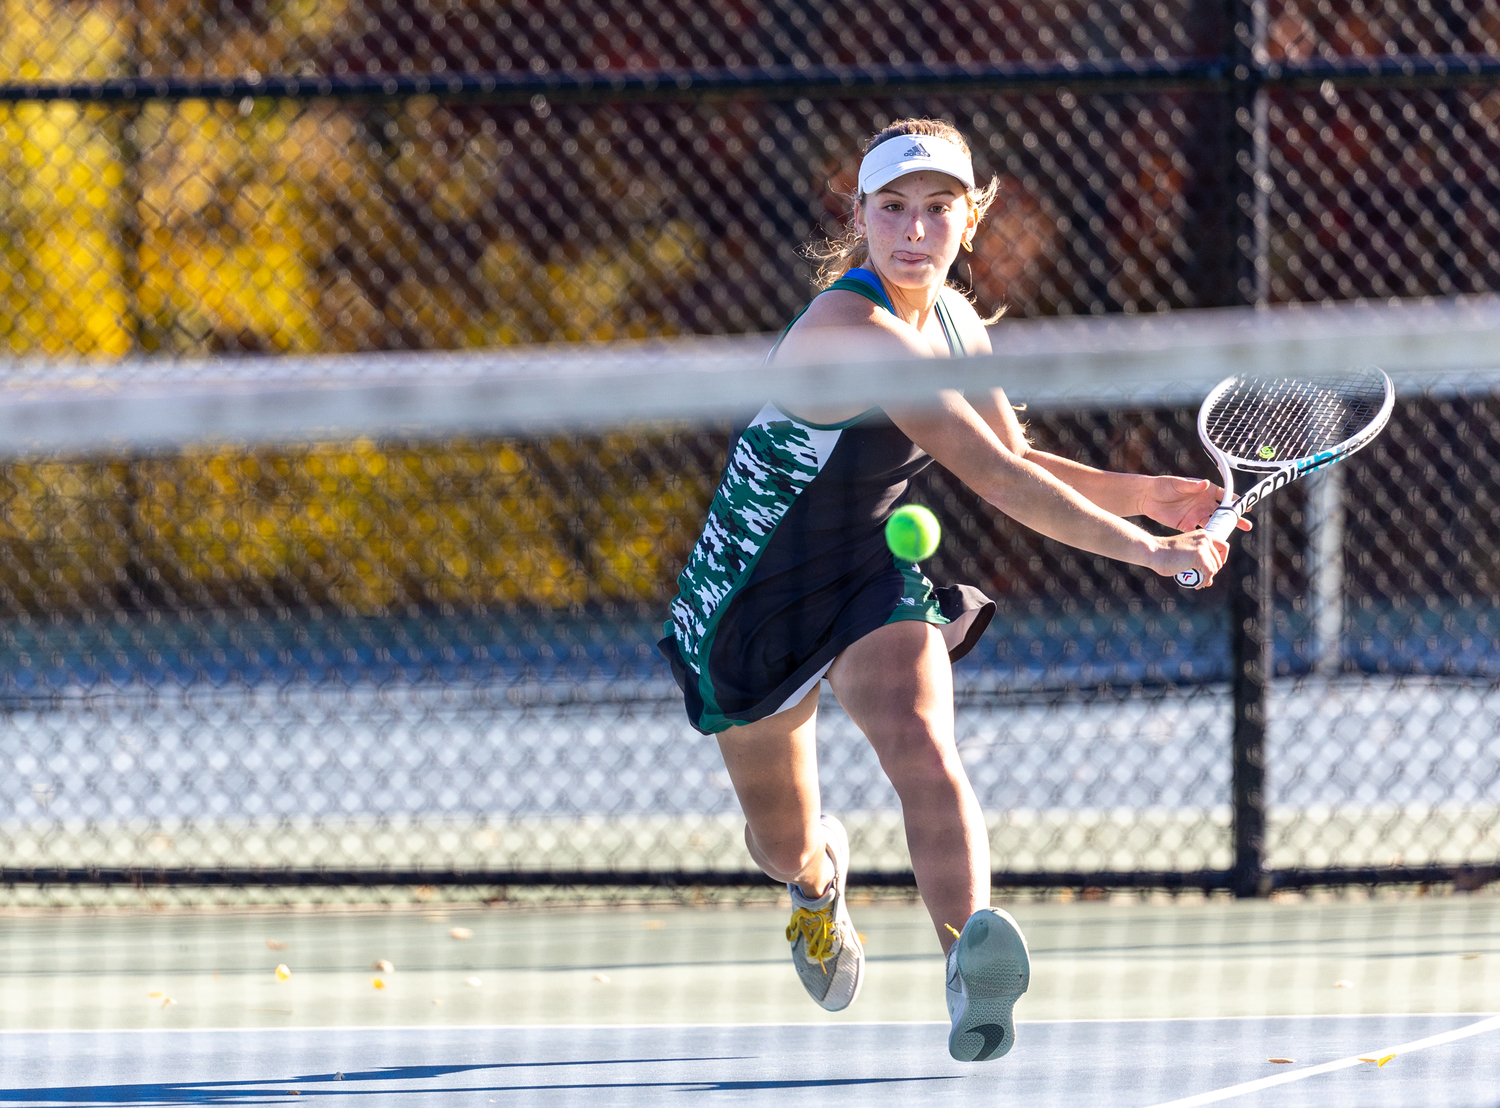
(917, 151)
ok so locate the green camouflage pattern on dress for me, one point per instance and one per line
(773, 462)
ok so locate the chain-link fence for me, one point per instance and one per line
(435, 660)
(180, 177)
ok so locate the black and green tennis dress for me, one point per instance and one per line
(793, 566)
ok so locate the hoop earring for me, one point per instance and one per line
(969, 246)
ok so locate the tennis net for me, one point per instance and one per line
(390, 620)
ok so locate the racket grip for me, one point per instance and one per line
(1220, 526)
(1222, 523)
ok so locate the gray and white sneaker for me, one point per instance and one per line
(989, 968)
(825, 947)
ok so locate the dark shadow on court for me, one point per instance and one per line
(262, 1091)
(218, 1092)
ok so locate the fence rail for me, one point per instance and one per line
(1212, 74)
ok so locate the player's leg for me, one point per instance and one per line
(896, 683)
(774, 766)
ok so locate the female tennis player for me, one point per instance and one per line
(792, 583)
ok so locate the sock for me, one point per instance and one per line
(802, 900)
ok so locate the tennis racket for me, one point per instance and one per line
(1285, 428)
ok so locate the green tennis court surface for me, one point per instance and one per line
(1133, 1003)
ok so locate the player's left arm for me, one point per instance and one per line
(1181, 503)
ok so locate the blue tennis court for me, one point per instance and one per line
(1134, 1003)
(1131, 1064)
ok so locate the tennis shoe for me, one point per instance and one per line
(989, 967)
(825, 947)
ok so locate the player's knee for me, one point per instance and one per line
(916, 751)
(783, 856)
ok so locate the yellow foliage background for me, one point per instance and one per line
(356, 529)
(190, 228)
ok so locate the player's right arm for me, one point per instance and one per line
(1182, 503)
(959, 439)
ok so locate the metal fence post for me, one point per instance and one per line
(1251, 599)
(1250, 610)
(1252, 124)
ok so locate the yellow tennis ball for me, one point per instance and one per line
(912, 533)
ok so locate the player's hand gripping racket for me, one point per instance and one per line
(1285, 428)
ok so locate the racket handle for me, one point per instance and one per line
(1220, 526)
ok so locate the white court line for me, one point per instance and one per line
(1216, 1095)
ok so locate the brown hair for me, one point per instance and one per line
(835, 257)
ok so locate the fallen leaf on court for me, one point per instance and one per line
(167, 1000)
(377, 982)
(272, 944)
(474, 981)
(154, 994)
(862, 938)
(602, 977)
(282, 972)
(1470, 957)
(1380, 1061)
(435, 1000)
(1283, 1061)
(1343, 984)
(460, 933)
(383, 966)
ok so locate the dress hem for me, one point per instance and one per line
(954, 601)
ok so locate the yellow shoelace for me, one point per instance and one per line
(816, 926)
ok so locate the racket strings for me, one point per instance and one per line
(1262, 420)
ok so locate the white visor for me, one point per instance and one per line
(896, 157)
